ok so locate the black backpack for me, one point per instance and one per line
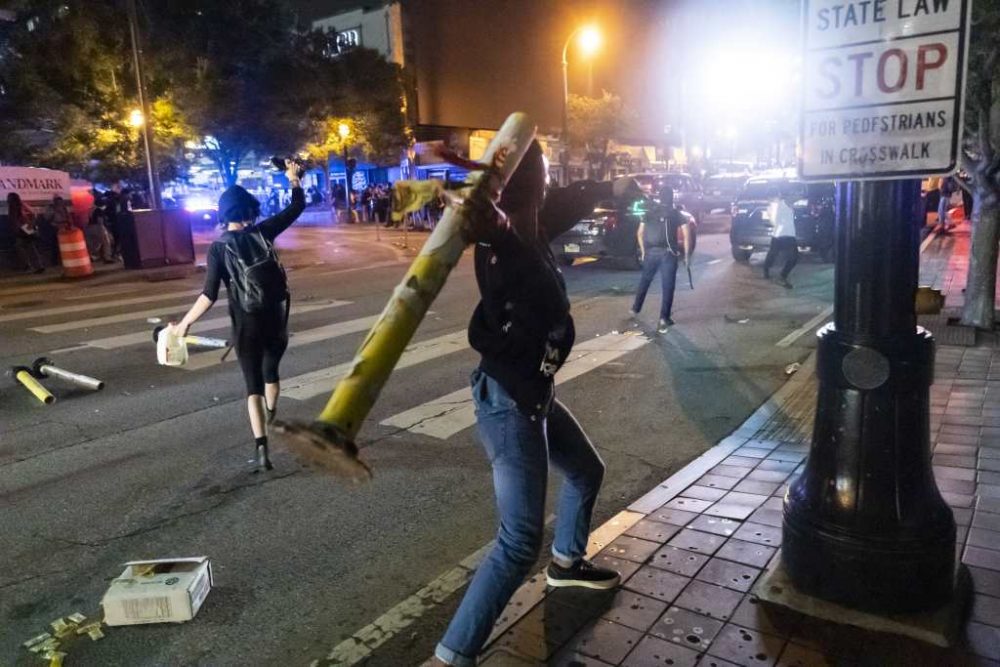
(255, 274)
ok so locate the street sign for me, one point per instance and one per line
(883, 88)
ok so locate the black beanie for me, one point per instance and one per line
(237, 205)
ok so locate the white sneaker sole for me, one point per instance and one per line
(571, 583)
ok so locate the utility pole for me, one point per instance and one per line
(147, 132)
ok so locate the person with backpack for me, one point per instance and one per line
(664, 237)
(245, 260)
(24, 225)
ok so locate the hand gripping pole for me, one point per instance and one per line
(23, 375)
(43, 368)
(329, 441)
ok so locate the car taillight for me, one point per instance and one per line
(610, 222)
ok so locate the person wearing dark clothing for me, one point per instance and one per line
(664, 238)
(26, 233)
(523, 331)
(261, 336)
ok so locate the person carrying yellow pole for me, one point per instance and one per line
(329, 441)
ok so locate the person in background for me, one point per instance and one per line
(98, 238)
(60, 216)
(664, 237)
(947, 189)
(783, 241)
(25, 228)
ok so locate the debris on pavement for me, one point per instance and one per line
(164, 590)
(791, 369)
(153, 320)
(52, 646)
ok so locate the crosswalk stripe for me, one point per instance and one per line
(139, 337)
(445, 416)
(86, 307)
(315, 383)
(297, 339)
(131, 316)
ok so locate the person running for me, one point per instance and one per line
(26, 234)
(523, 330)
(245, 260)
(664, 237)
(783, 241)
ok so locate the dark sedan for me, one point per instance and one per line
(607, 232)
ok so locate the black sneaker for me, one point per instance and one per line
(271, 413)
(664, 325)
(584, 574)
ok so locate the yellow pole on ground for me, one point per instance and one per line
(23, 375)
(329, 441)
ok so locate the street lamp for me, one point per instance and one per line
(136, 118)
(590, 42)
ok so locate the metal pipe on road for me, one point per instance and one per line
(23, 375)
(43, 368)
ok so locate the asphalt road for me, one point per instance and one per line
(156, 464)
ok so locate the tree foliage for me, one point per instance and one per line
(233, 76)
(593, 122)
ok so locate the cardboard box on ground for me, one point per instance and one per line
(166, 590)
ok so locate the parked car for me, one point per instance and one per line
(687, 191)
(813, 205)
(721, 190)
(607, 233)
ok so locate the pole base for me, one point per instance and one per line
(322, 446)
(940, 626)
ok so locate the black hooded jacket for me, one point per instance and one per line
(522, 326)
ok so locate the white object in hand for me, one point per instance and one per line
(171, 348)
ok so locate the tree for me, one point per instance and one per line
(594, 122)
(236, 71)
(981, 158)
(72, 111)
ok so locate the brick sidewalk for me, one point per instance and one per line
(691, 549)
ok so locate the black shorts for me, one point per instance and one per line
(260, 339)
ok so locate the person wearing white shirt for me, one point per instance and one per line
(783, 239)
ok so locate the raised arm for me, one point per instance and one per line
(283, 219)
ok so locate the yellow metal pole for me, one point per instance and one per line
(23, 375)
(329, 441)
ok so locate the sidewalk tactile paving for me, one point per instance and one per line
(631, 548)
(634, 611)
(606, 641)
(714, 524)
(697, 541)
(677, 560)
(656, 583)
(709, 599)
(721, 519)
(747, 553)
(653, 652)
(653, 531)
(747, 647)
(729, 574)
(688, 628)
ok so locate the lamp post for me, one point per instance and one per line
(139, 119)
(590, 42)
(344, 130)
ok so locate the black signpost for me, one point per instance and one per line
(865, 525)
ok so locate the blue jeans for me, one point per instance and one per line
(520, 448)
(664, 261)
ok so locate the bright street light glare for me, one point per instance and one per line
(135, 118)
(590, 40)
(344, 130)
